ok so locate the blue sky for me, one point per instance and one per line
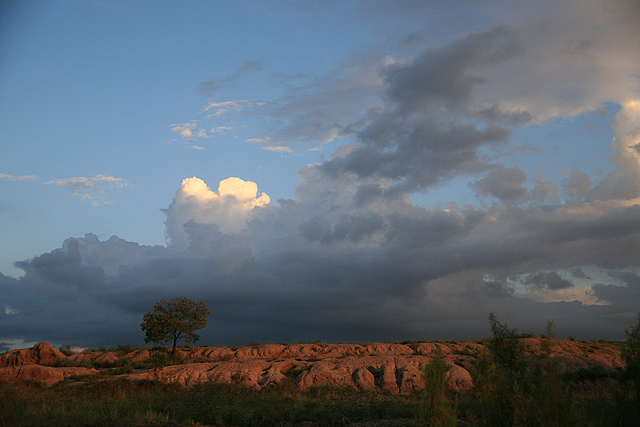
(455, 134)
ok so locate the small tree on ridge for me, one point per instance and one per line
(174, 320)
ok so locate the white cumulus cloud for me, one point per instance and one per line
(229, 208)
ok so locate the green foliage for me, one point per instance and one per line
(123, 349)
(174, 320)
(66, 350)
(513, 388)
(552, 401)
(592, 373)
(436, 406)
(63, 363)
(498, 395)
(505, 347)
(120, 402)
(125, 366)
(632, 359)
(161, 359)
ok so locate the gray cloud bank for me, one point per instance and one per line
(352, 258)
(335, 269)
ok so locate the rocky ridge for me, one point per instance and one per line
(392, 367)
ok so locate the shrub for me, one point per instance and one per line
(514, 389)
(632, 359)
(66, 350)
(162, 359)
(592, 373)
(124, 349)
(224, 358)
(125, 366)
(435, 405)
(63, 363)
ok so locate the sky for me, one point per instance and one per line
(319, 170)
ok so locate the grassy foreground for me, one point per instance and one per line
(121, 402)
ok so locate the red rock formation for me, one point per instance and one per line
(41, 353)
(396, 368)
(45, 374)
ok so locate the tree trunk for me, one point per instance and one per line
(173, 350)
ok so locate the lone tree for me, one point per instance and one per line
(174, 320)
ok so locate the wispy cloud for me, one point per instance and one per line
(280, 148)
(193, 129)
(220, 108)
(18, 178)
(247, 67)
(202, 128)
(93, 189)
(185, 129)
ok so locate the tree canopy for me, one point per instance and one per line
(175, 320)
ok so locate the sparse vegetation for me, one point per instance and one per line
(66, 350)
(160, 359)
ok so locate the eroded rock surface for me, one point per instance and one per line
(40, 354)
(396, 368)
(45, 374)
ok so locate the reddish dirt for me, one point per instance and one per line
(392, 367)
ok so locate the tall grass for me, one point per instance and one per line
(513, 387)
(122, 402)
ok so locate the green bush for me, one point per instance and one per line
(121, 349)
(592, 373)
(632, 359)
(66, 350)
(63, 363)
(435, 405)
(513, 388)
(160, 359)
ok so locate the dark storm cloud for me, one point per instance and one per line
(626, 297)
(63, 267)
(449, 74)
(427, 131)
(328, 267)
(503, 183)
(550, 280)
